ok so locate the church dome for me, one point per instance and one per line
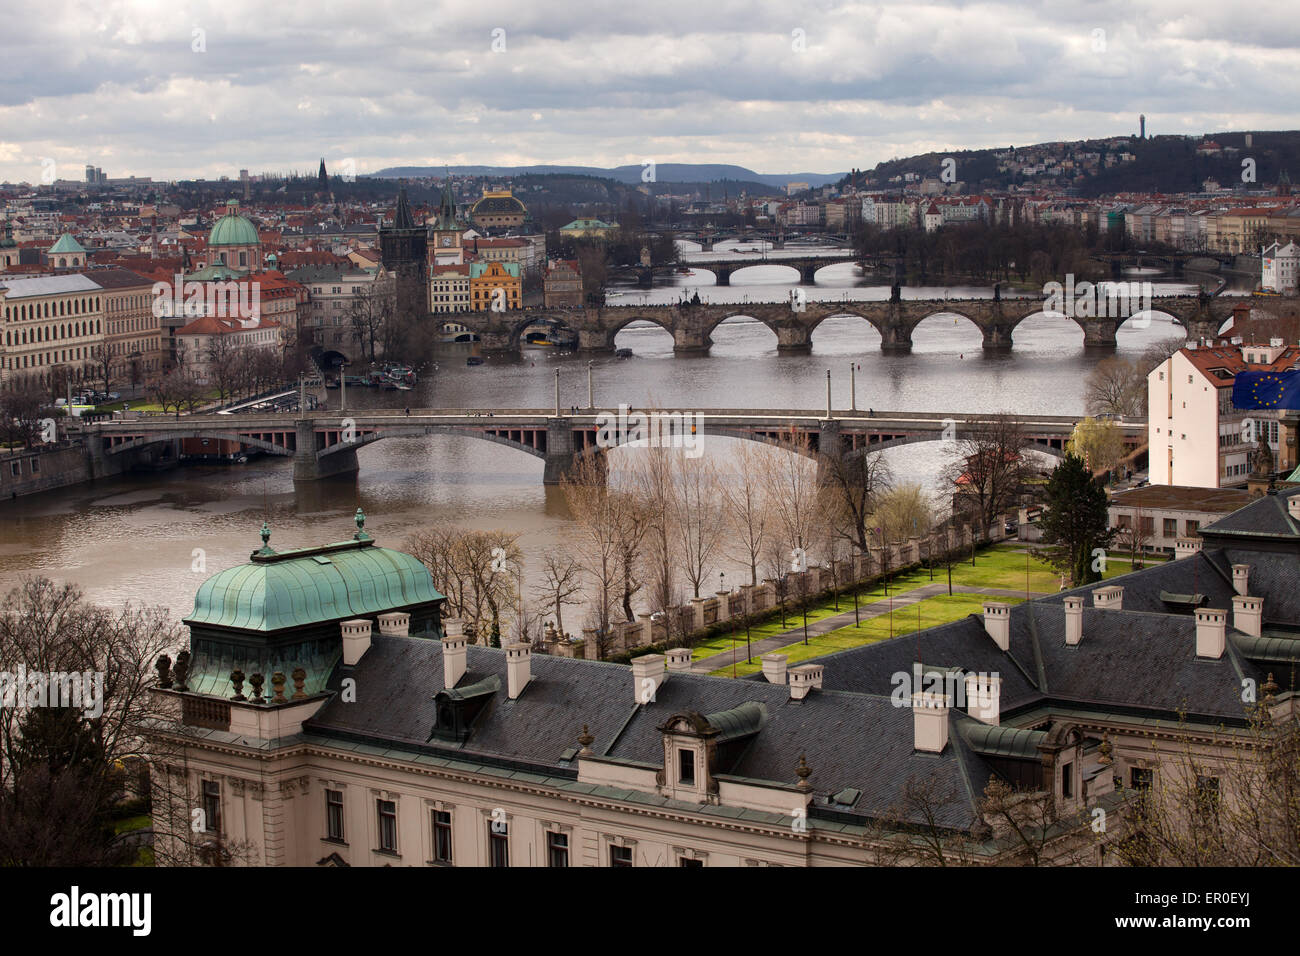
(232, 229)
(498, 204)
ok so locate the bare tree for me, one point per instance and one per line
(598, 513)
(177, 390)
(1133, 536)
(561, 582)
(101, 360)
(475, 570)
(368, 311)
(853, 487)
(747, 507)
(1116, 386)
(59, 761)
(698, 517)
(989, 472)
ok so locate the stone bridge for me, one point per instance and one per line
(806, 266)
(793, 322)
(323, 445)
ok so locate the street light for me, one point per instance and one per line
(591, 400)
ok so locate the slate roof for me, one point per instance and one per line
(1266, 516)
(853, 740)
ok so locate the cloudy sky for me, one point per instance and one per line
(170, 90)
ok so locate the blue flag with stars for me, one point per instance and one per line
(1266, 390)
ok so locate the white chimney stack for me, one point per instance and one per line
(1241, 578)
(1111, 597)
(395, 624)
(1186, 547)
(356, 639)
(518, 668)
(984, 697)
(647, 675)
(930, 722)
(774, 667)
(679, 659)
(1073, 619)
(1211, 632)
(805, 679)
(1248, 614)
(997, 621)
(453, 652)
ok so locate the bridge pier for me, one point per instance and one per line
(594, 340)
(307, 467)
(895, 334)
(645, 278)
(1099, 333)
(830, 450)
(722, 276)
(498, 342)
(997, 338)
(706, 245)
(690, 342)
(562, 457)
(792, 337)
(808, 274)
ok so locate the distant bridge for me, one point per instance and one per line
(723, 269)
(793, 322)
(323, 445)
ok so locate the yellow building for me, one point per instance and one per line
(495, 286)
(593, 228)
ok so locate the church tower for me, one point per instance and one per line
(446, 233)
(403, 253)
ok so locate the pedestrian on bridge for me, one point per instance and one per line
(408, 413)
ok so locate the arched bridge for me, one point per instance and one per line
(322, 445)
(794, 321)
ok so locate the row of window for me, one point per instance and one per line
(33, 467)
(51, 333)
(1169, 527)
(52, 310)
(47, 358)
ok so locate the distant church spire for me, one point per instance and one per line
(322, 178)
(402, 218)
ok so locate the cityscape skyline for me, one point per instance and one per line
(145, 92)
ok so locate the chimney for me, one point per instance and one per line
(1240, 578)
(1186, 547)
(679, 659)
(395, 624)
(930, 722)
(1211, 632)
(453, 652)
(997, 621)
(984, 697)
(519, 669)
(356, 639)
(1111, 597)
(1073, 620)
(805, 679)
(647, 675)
(1247, 614)
(774, 667)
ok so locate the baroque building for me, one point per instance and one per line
(400, 744)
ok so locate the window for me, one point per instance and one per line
(334, 815)
(442, 836)
(1147, 526)
(387, 825)
(1067, 781)
(557, 849)
(687, 861)
(1139, 778)
(15, 468)
(620, 856)
(1171, 527)
(1192, 527)
(1207, 796)
(498, 843)
(211, 806)
(686, 767)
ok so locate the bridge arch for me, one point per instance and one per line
(421, 431)
(210, 434)
(738, 314)
(1053, 446)
(775, 280)
(624, 321)
(844, 313)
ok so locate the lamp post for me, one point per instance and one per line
(828, 394)
(591, 393)
(343, 386)
(853, 386)
(557, 393)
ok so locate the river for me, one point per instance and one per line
(153, 538)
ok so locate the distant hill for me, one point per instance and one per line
(1165, 164)
(627, 175)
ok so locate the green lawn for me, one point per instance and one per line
(131, 823)
(934, 610)
(758, 632)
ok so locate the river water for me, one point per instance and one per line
(153, 538)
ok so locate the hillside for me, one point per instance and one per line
(680, 173)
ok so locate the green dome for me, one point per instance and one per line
(311, 586)
(232, 229)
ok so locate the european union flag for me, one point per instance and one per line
(1266, 390)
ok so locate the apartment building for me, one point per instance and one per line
(1197, 438)
(132, 334)
(51, 324)
(449, 288)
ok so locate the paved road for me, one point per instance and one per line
(865, 612)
